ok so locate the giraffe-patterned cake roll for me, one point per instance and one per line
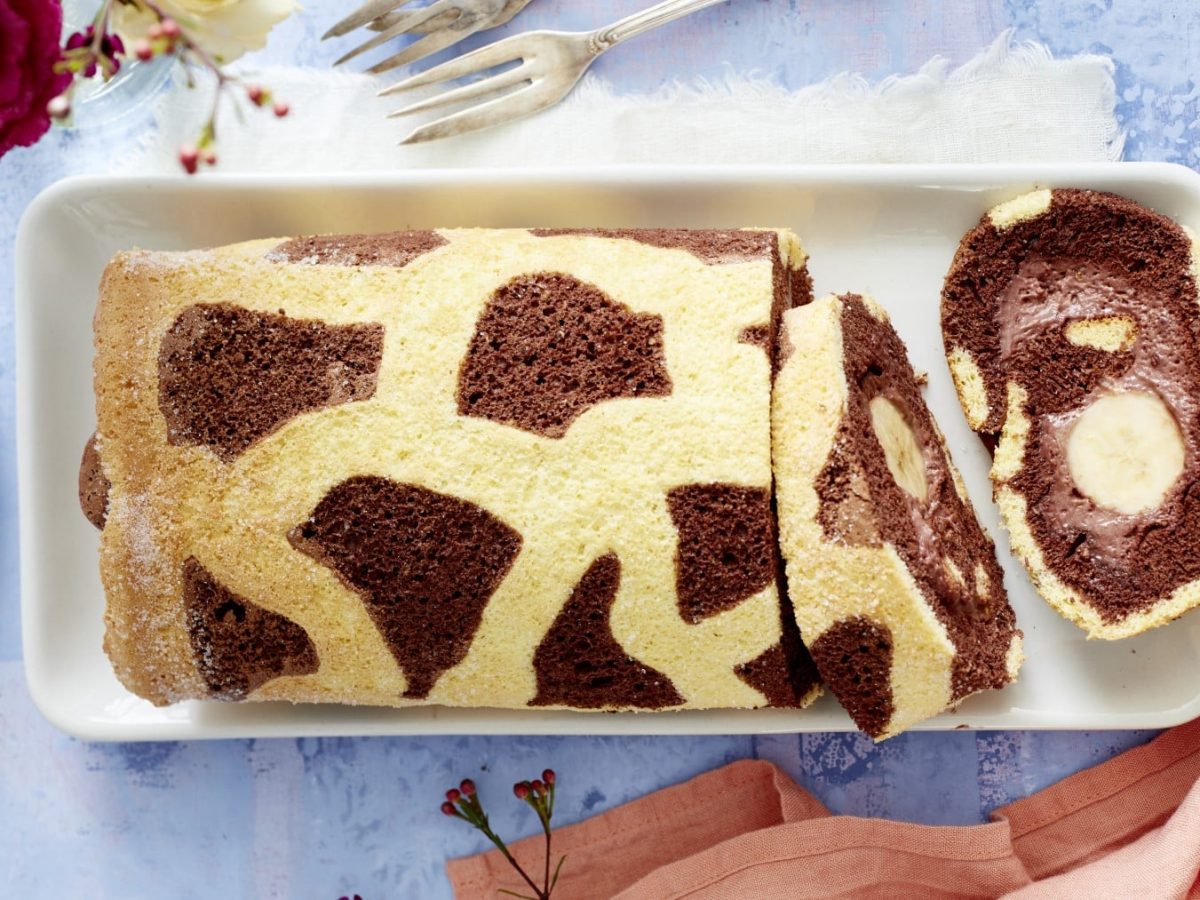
(1071, 321)
(505, 468)
(895, 585)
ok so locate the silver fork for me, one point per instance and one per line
(443, 22)
(550, 64)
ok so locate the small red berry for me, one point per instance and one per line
(210, 157)
(467, 787)
(548, 776)
(59, 107)
(170, 29)
(453, 796)
(143, 51)
(448, 809)
(189, 158)
(281, 109)
(538, 787)
(255, 92)
(521, 790)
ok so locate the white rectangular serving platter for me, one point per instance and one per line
(888, 231)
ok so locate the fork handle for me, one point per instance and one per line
(639, 23)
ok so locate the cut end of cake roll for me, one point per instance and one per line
(507, 468)
(1071, 322)
(894, 584)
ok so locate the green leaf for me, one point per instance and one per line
(557, 869)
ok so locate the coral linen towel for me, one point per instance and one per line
(1128, 827)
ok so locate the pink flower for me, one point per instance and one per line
(29, 33)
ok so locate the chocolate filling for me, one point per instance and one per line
(397, 248)
(238, 645)
(548, 347)
(846, 513)
(855, 659)
(425, 565)
(861, 503)
(229, 376)
(726, 550)
(580, 664)
(1008, 300)
(93, 485)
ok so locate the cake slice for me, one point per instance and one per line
(503, 468)
(1071, 322)
(894, 584)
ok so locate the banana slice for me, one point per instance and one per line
(900, 448)
(1125, 452)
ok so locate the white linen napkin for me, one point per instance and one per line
(1014, 102)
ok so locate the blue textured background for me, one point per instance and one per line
(318, 818)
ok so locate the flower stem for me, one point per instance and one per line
(495, 839)
(545, 810)
(190, 50)
(100, 26)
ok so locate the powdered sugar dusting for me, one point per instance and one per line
(340, 258)
(274, 256)
(147, 564)
(166, 260)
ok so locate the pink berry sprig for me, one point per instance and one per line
(260, 96)
(191, 156)
(161, 38)
(539, 794)
(98, 49)
(463, 802)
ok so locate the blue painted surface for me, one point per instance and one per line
(318, 818)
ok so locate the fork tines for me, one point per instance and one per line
(406, 23)
(503, 107)
(443, 22)
(365, 14)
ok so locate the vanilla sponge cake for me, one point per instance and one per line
(1071, 326)
(894, 584)
(500, 468)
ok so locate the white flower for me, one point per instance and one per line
(224, 28)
